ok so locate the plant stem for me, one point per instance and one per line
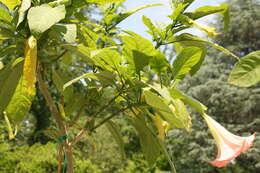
(61, 126)
(83, 131)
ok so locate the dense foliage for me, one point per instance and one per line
(89, 72)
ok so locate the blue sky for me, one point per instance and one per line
(158, 14)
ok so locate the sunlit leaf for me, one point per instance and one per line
(247, 71)
(68, 32)
(26, 4)
(152, 28)
(4, 15)
(178, 10)
(11, 4)
(185, 37)
(9, 78)
(149, 141)
(41, 18)
(24, 94)
(162, 126)
(163, 109)
(138, 51)
(199, 107)
(184, 62)
(159, 63)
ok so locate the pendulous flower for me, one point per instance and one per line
(229, 145)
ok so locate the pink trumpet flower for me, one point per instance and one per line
(229, 145)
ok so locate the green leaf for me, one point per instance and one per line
(82, 51)
(246, 71)
(170, 93)
(149, 142)
(184, 62)
(60, 2)
(179, 8)
(9, 78)
(223, 9)
(4, 15)
(105, 77)
(88, 36)
(176, 105)
(176, 94)
(138, 51)
(197, 66)
(159, 63)
(152, 29)
(106, 58)
(206, 10)
(185, 37)
(60, 78)
(11, 4)
(1, 65)
(210, 31)
(5, 51)
(26, 4)
(181, 111)
(24, 93)
(115, 132)
(68, 32)
(102, 2)
(163, 109)
(41, 18)
(71, 33)
(116, 19)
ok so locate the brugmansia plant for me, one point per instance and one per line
(90, 71)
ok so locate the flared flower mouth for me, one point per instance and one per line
(229, 145)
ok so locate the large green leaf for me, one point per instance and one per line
(68, 32)
(184, 62)
(106, 58)
(9, 78)
(11, 4)
(210, 31)
(179, 8)
(181, 111)
(247, 70)
(24, 93)
(4, 15)
(138, 51)
(149, 141)
(88, 36)
(159, 63)
(26, 4)
(41, 18)
(163, 109)
(82, 51)
(207, 10)
(115, 132)
(152, 28)
(176, 94)
(170, 93)
(185, 37)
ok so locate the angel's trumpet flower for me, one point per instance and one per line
(229, 145)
